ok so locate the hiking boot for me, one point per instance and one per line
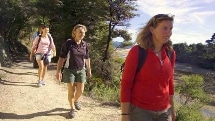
(39, 84)
(77, 106)
(72, 113)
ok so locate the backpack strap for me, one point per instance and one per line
(141, 58)
(50, 40)
(142, 53)
(38, 41)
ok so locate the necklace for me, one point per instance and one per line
(156, 53)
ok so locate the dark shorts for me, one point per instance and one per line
(71, 76)
(139, 114)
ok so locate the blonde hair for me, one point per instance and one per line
(144, 38)
(76, 27)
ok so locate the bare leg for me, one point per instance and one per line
(40, 69)
(71, 94)
(44, 72)
(79, 90)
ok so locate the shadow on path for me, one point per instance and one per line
(27, 73)
(33, 115)
(11, 83)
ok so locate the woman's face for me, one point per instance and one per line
(162, 33)
(45, 30)
(79, 33)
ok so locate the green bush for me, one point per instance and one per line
(189, 113)
(191, 88)
(193, 95)
(119, 60)
(105, 92)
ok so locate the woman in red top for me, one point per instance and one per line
(149, 95)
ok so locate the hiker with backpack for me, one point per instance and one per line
(75, 54)
(147, 85)
(36, 34)
(41, 49)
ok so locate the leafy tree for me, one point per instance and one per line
(13, 16)
(182, 51)
(120, 12)
(212, 40)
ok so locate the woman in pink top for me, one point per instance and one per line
(42, 47)
(148, 96)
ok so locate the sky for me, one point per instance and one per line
(194, 20)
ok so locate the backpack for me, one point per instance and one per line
(35, 64)
(142, 57)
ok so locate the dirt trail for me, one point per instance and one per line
(21, 99)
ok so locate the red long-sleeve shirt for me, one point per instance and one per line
(153, 83)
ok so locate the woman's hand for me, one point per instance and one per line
(53, 53)
(58, 76)
(89, 74)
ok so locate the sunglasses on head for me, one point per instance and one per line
(163, 16)
(159, 17)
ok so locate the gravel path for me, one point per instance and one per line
(21, 99)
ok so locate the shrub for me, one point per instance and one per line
(189, 113)
(105, 92)
(191, 88)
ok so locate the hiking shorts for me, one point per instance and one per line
(39, 57)
(71, 76)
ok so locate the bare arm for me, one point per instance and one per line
(54, 51)
(33, 48)
(59, 66)
(88, 64)
(87, 61)
(172, 107)
(53, 46)
(32, 53)
(125, 111)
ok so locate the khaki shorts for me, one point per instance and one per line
(71, 76)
